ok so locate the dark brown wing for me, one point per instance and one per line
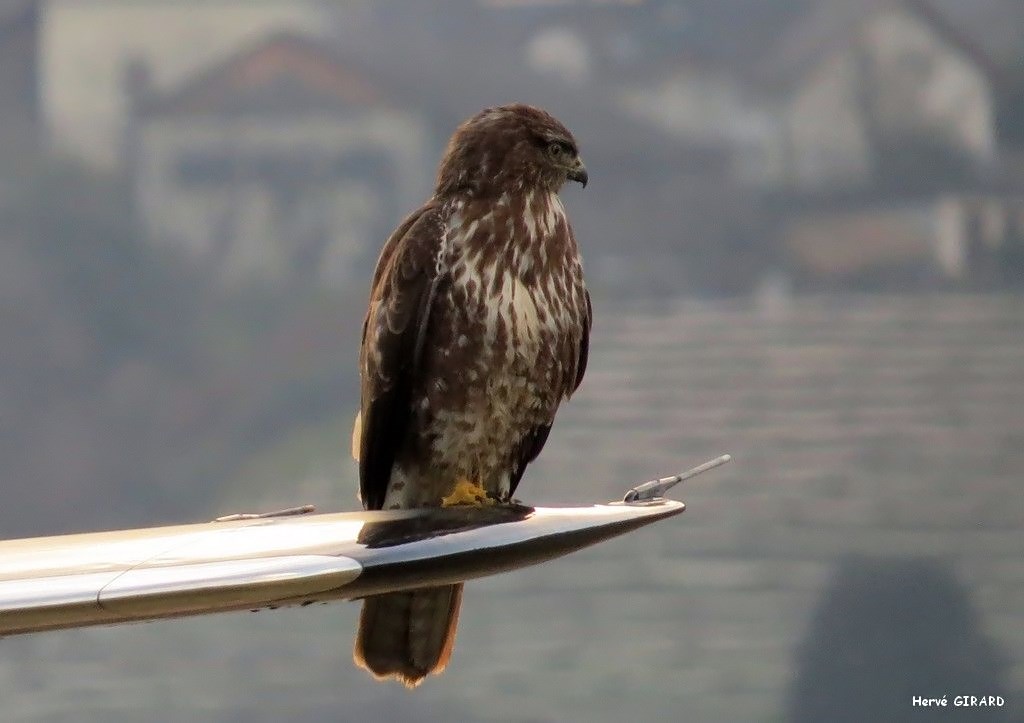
(404, 287)
(581, 362)
(534, 442)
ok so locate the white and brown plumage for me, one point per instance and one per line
(477, 329)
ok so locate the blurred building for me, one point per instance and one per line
(975, 239)
(865, 132)
(661, 212)
(835, 95)
(85, 45)
(284, 162)
(875, 89)
(714, 129)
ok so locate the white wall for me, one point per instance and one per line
(196, 218)
(826, 137)
(897, 77)
(929, 85)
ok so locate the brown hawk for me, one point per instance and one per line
(477, 329)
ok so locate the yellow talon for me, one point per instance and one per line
(466, 492)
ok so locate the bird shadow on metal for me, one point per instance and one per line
(438, 523)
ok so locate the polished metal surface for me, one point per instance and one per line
(110, 577)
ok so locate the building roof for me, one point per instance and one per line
(997, 26)
(286, 72)
(830, 25)
(771, 45)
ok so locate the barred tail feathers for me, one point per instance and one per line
(407, 636)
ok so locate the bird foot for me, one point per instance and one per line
(467, 492)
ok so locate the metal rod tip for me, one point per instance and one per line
(658, 487)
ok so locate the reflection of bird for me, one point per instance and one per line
(477, 329)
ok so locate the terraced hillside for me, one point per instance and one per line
(881, 426)
(887, 427)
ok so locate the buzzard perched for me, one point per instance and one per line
(477, 328)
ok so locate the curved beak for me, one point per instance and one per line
(578, 173)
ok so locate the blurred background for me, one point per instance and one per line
(804, 237)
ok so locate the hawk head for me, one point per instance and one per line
(509, 147)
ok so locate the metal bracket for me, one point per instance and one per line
(286, 512)
(658, 487)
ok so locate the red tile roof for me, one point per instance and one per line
(284, 72)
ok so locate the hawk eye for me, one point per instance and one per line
(556, 149)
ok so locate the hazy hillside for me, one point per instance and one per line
(878, 434)
(125, 377)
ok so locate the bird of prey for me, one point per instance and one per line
(478, 327)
